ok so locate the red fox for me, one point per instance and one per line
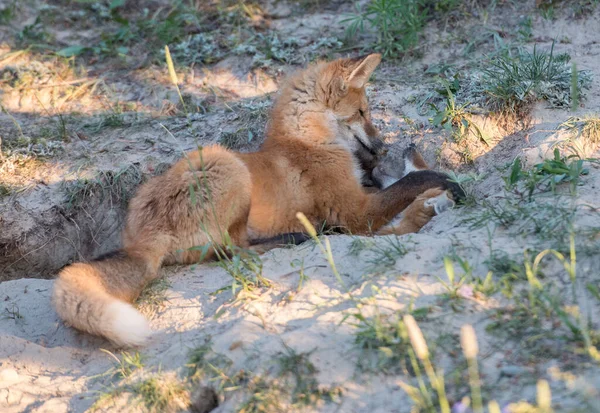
(307, 164)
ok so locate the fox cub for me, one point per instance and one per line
(308, 163)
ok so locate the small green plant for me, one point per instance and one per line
(467, 183)
(125, 366)
(457, 118)
(381, 337)
(7, 13)
(455, 283)
(546, 175)
(244, 266)
(5, 189)
(12, 313)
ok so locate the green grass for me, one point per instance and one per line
(396, 23)
(114, 187)
(124, 366)
(383, 255)
(457, 119)
(514, 81)
(586, 128)
(534, 202)
(204, 365)
(382, 341)
(160, 395)
(547, 319)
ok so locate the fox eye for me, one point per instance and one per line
(361, 112)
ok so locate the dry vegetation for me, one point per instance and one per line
(493, 308)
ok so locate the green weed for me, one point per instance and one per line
(545, 176)
(457, 118)
(542, 317)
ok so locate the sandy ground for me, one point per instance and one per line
(46, 366)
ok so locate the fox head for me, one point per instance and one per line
(342, 85)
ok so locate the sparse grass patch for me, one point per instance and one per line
(244, 267)
(383, 341)
(204, 365)
(543, 316)
(161, 395)
(514, 82)
(587, 128)
(125, 366)
(383, 254)
(532, 203)
(457, 119)
(306, 390)
(578, 8)
(467, 183)
(397, 23)
(12, 313)
(115, 186)
(266, 395)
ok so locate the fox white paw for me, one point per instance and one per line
(440, 203)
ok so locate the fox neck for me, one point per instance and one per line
(300, 111)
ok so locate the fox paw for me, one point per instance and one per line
(439, 202)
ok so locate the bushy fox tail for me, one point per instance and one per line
(95, 297)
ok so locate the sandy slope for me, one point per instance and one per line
(48, 367)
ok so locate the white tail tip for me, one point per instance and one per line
(126, 326)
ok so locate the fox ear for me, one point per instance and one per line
(365, 66)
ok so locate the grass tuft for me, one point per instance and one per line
(514, 82)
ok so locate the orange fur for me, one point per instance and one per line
(307, 164)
